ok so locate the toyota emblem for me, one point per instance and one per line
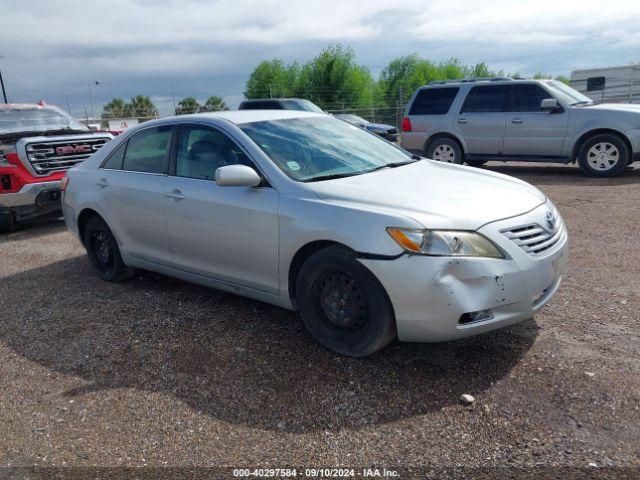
(551, 220)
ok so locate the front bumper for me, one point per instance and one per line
(32, 200)
(430, 295)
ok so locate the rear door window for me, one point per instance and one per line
(527, 98)
(433, 101)
(485, 99)
(116, 158)
(147, 151)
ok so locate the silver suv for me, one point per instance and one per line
(505, 119)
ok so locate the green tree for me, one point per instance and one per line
(563, 79)
(188, 105)
(272, 79)
(214, 104)
(116, 108)
(334, 81)
(141, 106)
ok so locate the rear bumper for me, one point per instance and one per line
(33, 199)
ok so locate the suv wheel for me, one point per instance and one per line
(7, 223)
(104, 253)
(343, 305)
(445, 150)
(603, 155)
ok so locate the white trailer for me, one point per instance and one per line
(609, 84)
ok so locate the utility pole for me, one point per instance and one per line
(68, 104)
(173, 95)
(4, 92)
(91, 100)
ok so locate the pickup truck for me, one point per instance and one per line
(38, 144)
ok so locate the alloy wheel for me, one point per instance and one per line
(603, 156)
(444, 153)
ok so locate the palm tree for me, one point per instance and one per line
(187, 105)
(214, 104)
(141, 106)
(116, 108)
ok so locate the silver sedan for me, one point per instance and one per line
(307, 212)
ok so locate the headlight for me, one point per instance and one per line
(445, 243)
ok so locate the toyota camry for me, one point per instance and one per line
(301, 210)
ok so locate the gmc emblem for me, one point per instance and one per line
(71, 149)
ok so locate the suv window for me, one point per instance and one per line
(262, 105)
(147, 150)
(486, 98)
(433, 101)
(527, 98)
(202, 150)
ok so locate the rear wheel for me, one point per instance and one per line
(343, 305)
(7, 222)
(104, 253)
(445, 150)
(603, 155)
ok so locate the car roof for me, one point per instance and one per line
(248, 116)
(480, 81)
(251, 100)
(25, 106)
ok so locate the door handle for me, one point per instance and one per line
(102, 183)
(462, 120)
(175, 195)
(516, 120)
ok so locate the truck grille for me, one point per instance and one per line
(534, 239)
(57, 156)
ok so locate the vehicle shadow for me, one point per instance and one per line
(554, 174)
(36, 228)
(238, 360)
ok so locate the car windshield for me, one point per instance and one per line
(14, 119)
(322, 147)
(567, 94)
(302, 105)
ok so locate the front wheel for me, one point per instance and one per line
(343, 305)
(604, 155)
(445, 150)
(104, 253)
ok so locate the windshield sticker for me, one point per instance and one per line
(293, 166)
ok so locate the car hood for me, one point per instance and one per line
(614, 107)
(379, 126)
(437, 195)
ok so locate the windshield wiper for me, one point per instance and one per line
(392, 165)
(331, 176)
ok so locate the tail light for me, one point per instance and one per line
(406, 124)
(64, 183)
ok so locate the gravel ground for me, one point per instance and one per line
(159, 372)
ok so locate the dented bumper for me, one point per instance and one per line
(431, 295)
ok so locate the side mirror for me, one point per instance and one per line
(549, 104)
(237, 176)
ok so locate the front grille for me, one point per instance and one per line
(534, 239)
(57, 156)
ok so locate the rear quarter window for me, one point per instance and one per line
(433, 101)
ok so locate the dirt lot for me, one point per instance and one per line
(160, 372)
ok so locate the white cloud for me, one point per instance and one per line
(52, 48)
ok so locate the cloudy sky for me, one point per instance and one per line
(52, 49)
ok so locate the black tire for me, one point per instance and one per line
(610, 164)
(7, 222)
(363, 322)
(446, 150)
(476, 163)
(104, 253)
